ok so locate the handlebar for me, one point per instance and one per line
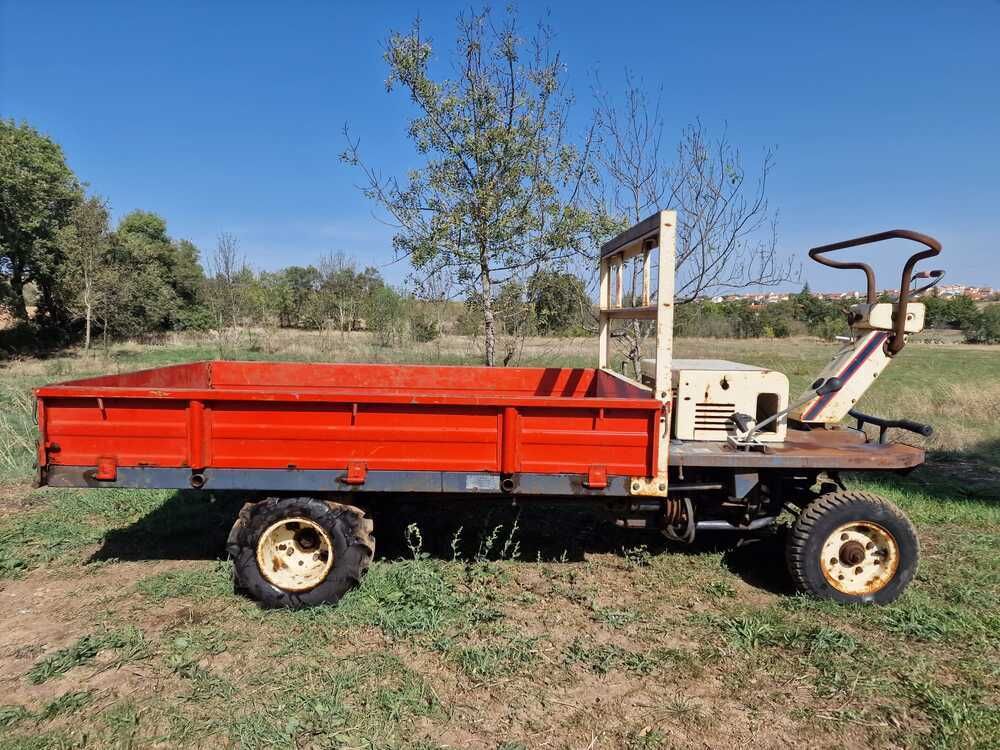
(933, 248)
(885, 424)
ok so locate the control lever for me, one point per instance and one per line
(821, 387)
(742, 421)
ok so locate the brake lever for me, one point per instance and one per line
(935, 275)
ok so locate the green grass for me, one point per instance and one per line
(129, 643)
(404, 599)
(201, 584)
(606, 658)
(497, 657)
(502, 627)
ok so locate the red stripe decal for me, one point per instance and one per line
(845, 374)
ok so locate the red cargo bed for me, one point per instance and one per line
(269, 425)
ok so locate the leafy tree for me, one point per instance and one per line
(387, 316)
(187, 276)
(559, 300)
(275, 298)
(962, 311)
(160, 282)
(951, 312)
(301, 285)
(38, 192)
(498, 191)
(345, 291)
(84, 244)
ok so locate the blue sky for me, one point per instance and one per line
(228, 116)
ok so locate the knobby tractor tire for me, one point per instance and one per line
(852, 547)
(346, 538)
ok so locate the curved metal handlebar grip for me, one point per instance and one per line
(933, 248)
(935, 277)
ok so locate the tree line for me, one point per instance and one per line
(806, 314)
(84, 280)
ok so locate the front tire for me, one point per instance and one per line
(852, 547)
(299, 552)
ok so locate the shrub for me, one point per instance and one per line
(985, 327)
(423, 327)
(195, 318)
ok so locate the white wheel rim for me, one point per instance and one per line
(859, 558)
(295, 554)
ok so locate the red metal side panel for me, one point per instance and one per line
(278, 415)
(251, 434)
(571, 440)
(132, 431)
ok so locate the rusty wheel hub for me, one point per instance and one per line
(852, 553)
(859, 558)
(295, 554)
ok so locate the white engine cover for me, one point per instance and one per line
(707, 392)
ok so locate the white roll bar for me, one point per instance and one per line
(659, 231)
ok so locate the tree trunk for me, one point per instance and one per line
(489, 326)
(86, 340)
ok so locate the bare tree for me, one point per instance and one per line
(726, 233)
(229, 267)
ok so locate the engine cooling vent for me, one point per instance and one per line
(713, 417)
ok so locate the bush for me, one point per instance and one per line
(985, 327)
(386, 316)
(951, 312)
(423, 328)
(195, 318)
(828, 328)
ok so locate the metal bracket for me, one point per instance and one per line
(107, 469)
(649, 487)
(743, 483)
(597, 478)
(357, 472)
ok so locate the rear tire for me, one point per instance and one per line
(852, 547)
(299, 552)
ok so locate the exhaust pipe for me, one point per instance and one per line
(757, 523)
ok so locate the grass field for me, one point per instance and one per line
(488, 626)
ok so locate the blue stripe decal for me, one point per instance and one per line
(851, 368)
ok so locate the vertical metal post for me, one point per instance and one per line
(665, 334)
(604, 302)
(619, 280)
(645, 276)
